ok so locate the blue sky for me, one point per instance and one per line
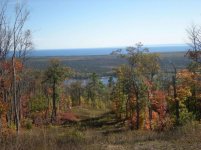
(110, 23)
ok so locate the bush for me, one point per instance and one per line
(186, 116)
(38, 103)
(99, 104)
(27, 123)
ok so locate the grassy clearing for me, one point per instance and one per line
(87, 112)
(51, 138)
(102, 132)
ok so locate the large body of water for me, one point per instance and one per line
(103, 51)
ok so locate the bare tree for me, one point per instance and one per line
(5, 32)
(21, 44)
(194, 36)
(16, 43)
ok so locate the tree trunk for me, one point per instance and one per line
(127, 104)
(0, 125)
(15, 96)
(150, 109)
(176, 100)
(150, 118)
(137, 112)
(54, 109)
(79, 96)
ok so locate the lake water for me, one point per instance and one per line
(104, 80)
(102, 51)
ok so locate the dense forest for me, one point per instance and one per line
(154, 92)
(85, 65)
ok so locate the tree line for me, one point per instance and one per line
(153, 99)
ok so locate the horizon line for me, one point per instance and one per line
(144, 45)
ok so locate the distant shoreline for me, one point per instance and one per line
(101, 51)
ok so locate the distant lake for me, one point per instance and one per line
(102, 51)
(104, 80)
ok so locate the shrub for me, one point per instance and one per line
(185, 116)
(99, 104)
(27, 123)
(38, 103)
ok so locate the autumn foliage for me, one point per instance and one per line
(140, 95)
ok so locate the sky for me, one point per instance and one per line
(60, 24)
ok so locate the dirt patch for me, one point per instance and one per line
(68, 117)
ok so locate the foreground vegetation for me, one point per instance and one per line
(102, 132)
